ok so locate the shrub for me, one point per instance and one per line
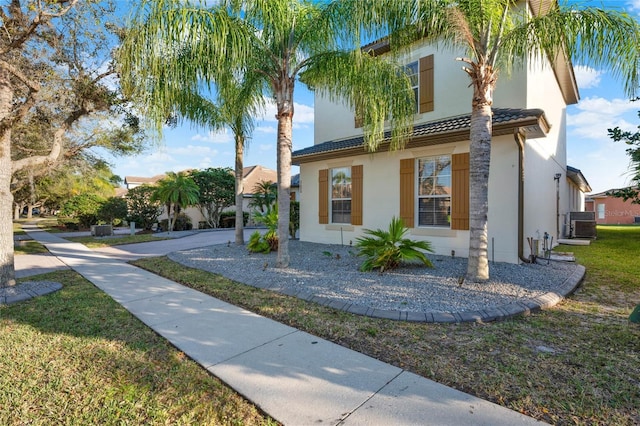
(182, 223)
(227, 219)
(257, 244)
(385, 250)
(270, 238)
(69, 223)
(294, 218)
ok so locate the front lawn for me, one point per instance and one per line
(77, 357)
(578, 363)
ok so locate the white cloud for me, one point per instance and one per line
(265, 147)
(587, 77)
(266, 129)
(596, 115)
(193, 151)
(603, 161)
(633, 4)
(302, 114)
(222, 136)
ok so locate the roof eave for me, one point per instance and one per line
(533, 127)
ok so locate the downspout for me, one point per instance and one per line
(519, 138)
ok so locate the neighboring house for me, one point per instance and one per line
(133, 181)
(610, 210)
(426, 184)
(251, 177)
(295, 188)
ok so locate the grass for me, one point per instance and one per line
(28, 247)
(78, 357)
(578, 363)
(95, 242)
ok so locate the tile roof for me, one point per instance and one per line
(503, 119)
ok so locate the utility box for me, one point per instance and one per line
(101, 230)
(582, 224)
(583, 228)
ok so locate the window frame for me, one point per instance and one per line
(347, 216)
(419, 197)
(414, 76)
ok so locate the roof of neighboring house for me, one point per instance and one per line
(120, 192)
(295, 180)
(505, 120)
(138, 180)
(606, 193)
(578, 178)
(253, 175)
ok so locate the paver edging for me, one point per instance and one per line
(498, 313)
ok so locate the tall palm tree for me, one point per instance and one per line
(280, 42)
(177, 191)
(175, 92)
(497, 36)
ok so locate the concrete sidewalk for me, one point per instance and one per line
(295, 377)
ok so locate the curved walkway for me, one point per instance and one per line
(295, 377)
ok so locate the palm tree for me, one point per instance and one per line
(499, 35)
(279, 42)
(238, 99)
(177, 191)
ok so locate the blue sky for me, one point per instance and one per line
(603, 105)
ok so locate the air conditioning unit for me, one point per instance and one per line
(583, 229)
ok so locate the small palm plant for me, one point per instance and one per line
(259, 243)
(386, 250)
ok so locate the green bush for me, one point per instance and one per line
(183, 223)
(69, 223)
(227, 219)
(294, 218)
(270, 238)
(386, 250)
(257, 244)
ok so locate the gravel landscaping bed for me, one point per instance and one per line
(332, 271)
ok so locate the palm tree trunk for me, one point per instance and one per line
(483, 80)
(239, 190)
(284, 101)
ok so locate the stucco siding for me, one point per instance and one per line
(381, 201)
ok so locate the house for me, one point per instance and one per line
(251, 176)
(531, 189)
(133, 181)
(610, 210)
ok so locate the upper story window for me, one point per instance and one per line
(421, 74)
(412, 72)
(340, 195)
(434, 191)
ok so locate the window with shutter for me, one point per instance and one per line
(323, 196)
(460, 191)
(442, 198)
(426, 84)
(421, 75)
(407, 185)
(356, 195)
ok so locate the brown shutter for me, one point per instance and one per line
(407, 189)
(323, 196)
(460, 191)
(426, 84)
(356, 195)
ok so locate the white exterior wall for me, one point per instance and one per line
(544, 158)
(533, 87)
(452, 96)
(381, 200)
